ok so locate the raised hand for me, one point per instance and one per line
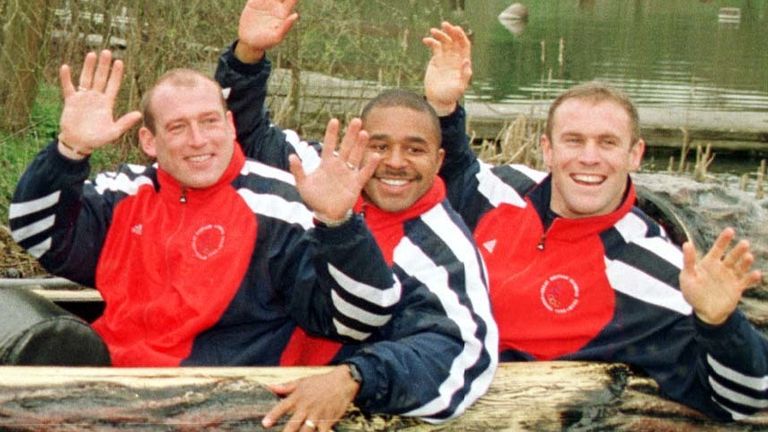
(263, 25)
(315, 402)
(334, 187)
(450, 68)
(714, 284)
(87, 120)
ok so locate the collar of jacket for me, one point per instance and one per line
(170, 188)
(574, 228)
(376, 217)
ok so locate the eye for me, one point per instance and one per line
(379, 147)
(175, 128)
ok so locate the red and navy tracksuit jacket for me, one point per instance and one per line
(603, 288)
(217, 276)
(437, 354)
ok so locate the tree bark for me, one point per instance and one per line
(524, 396)
(24, 36)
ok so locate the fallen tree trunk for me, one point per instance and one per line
(523, 396)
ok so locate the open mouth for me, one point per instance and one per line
(588, 179)
(394, 182)
(199, 158)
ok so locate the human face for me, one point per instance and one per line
(590, 155)
(194, 135)
(410, 156)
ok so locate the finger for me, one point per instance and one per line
(86, 75)
(296, 423)
(276, 413)
(466, 70)
(102, 70)
(744, 263)
(287, 24)
(127, 121)
(115, 78)
(299, 175)
(752, 278)
(284, 388)
(735, 255)
(350, 141)
(331, 139)
(721, 244)
(457, 34)
(65, 79)
(441, 36)
(689, 257)
(432, 44)
(366, 172)
(357, 149)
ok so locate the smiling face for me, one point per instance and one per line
(590, 152)
(193, 137)
(409, 145)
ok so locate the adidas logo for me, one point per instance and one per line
(490, 245)
(137, 229)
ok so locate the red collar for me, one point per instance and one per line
(172, 189)
(376, 217)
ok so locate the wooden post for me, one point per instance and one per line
(24, 35)
(523, 396)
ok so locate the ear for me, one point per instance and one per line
(147, 140)
(230, 119)
(636, 155)
(440, 157)
(546, 150)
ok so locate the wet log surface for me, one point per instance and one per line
(524, 396)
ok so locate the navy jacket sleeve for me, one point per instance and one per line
(338, 284)
(59, 218)
(439, 353)
(461, 169)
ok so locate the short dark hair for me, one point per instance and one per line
(181, 77)
(597, 91)
(406, 99)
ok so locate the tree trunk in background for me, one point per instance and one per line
(23, 37)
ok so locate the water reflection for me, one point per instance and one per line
(665, 52)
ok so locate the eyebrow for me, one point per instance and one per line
(410, 138)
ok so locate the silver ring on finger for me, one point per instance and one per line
(310, 424)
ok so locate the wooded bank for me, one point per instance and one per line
(544, 396)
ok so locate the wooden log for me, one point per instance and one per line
(523, 396)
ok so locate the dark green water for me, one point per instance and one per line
(665, 52)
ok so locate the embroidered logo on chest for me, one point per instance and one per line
(208, 241)
(560, 294)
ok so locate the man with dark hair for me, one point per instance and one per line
(577, 272)
(437, 354)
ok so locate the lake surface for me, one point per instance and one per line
(664, 52)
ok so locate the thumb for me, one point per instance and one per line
(283, 389)
(127, 121)
(689, 256)
(296, 169)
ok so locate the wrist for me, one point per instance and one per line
(248, 54)
(71, 151)
(443, 109)
(333, 222)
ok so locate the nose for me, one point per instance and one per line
(590, 153)
(395, 158)
(196, 137)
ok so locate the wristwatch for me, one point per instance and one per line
(354, 372)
